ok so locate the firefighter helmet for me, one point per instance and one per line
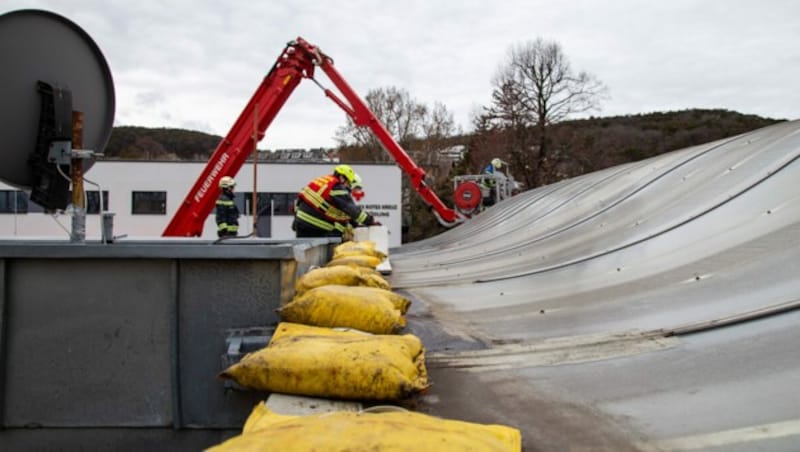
(497, 163)
(347, 172)
(227, 182)
(358, 188)
(357, 183)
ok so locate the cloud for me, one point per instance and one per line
(197, 63)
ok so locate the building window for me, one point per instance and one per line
(13, 201)
(241, 202)
(149, 203)
(93, 201)
(32, 206)
(283, 203)
(268, 203)
(247, 201)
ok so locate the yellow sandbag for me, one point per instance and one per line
(323, 362)
(400, 302)
(362, 248)
(262, 416)
(367, 309)
(371, 262)
(334, 291)
(388, 431)
(342, 275)
(372, 278)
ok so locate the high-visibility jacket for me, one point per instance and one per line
(227, 215)
(326, 205)
(489, 169)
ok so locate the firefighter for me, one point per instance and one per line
(325, 207)
(357, 190)
(227, 214)
(489, 182)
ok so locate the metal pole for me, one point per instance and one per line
(16, 193)
(255, 171)
(78, 212)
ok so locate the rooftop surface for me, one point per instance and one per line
(649, 306)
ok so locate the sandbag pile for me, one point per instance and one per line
(324, 362)
(362, 248)
(360, 254)
(371, 262)
(369, 309)
(363, 431)
(348, 295)
(339, 338)
(342, 275)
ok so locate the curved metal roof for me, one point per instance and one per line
(647, 306)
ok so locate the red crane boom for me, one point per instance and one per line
(297, 61)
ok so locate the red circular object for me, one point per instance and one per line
(467, 196)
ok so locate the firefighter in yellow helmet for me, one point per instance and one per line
(227, 214)
(325, 207)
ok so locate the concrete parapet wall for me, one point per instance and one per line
(131, 334)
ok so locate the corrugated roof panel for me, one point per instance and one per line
(577, 288)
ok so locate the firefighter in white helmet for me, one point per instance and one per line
(227, 214)
(489, 182)
(357, 190)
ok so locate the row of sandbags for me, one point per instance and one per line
(348, 293)
(340, 338)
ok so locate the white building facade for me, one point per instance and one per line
(144, 196)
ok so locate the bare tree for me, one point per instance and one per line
(534, 88)
(437, 127)
(421, 131)
(403, 117)
(438, 122)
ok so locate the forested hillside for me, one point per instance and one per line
(596, 142)
(141, 143)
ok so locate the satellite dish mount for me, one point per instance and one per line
(58, 96)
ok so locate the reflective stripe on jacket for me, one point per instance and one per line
(488, 182)
(327, 205)
(319, 194)
(227, 215)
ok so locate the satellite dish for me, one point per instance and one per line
(51, 67)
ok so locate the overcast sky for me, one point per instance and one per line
(194, 64)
